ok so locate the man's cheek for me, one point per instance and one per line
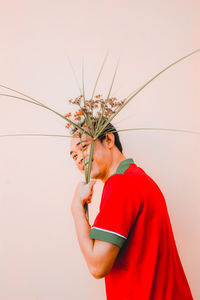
(94, 169)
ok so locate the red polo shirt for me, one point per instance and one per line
(133, 215)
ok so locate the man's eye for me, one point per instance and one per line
(74, 156)
(85, 146)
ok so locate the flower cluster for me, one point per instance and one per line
(93, 108)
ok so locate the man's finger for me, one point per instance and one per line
(86, 189)
(92, 184)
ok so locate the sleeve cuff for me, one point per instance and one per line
(107, 236)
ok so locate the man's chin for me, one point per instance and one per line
(94, 175)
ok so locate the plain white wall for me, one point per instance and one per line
(39, 253)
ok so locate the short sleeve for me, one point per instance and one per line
(119, 208)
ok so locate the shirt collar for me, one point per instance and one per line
(124, 165)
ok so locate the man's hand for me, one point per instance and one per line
(83, 194)
(99, 255)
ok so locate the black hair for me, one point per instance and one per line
(109, 128)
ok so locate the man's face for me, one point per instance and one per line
(100, 156)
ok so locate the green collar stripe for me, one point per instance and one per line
(107, 236)
(124, 165)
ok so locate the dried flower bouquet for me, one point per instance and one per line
(95, 113)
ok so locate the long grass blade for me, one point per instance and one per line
(85, 173)
(50, 109)
(88, 173)
(20, 93)
(36, 134)
(90, 160)
(87, 117)
(111, 86)
(83, 83)
(142, 87)
(83, 156)
(101, 116)
(74, 73)
(99, 74)
(20, 98)
(149, 128)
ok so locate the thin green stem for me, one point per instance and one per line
(20, 93)
(74, 73)
(99, 123)
(109, 131)
(148, 128)
(90, 160)
(99, 74)
(141, 88)
(85, 171)
(87, 117)
(89, 172)
(36, 134)
(50, 109)
(23, 99)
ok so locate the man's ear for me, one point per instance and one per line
(110, 140)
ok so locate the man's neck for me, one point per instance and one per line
(117, 158)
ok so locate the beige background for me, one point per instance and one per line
(39, 254)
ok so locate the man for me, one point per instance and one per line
(131, 242)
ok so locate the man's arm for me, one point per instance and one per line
(99, 255)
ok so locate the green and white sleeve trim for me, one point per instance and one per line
(107, 236)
